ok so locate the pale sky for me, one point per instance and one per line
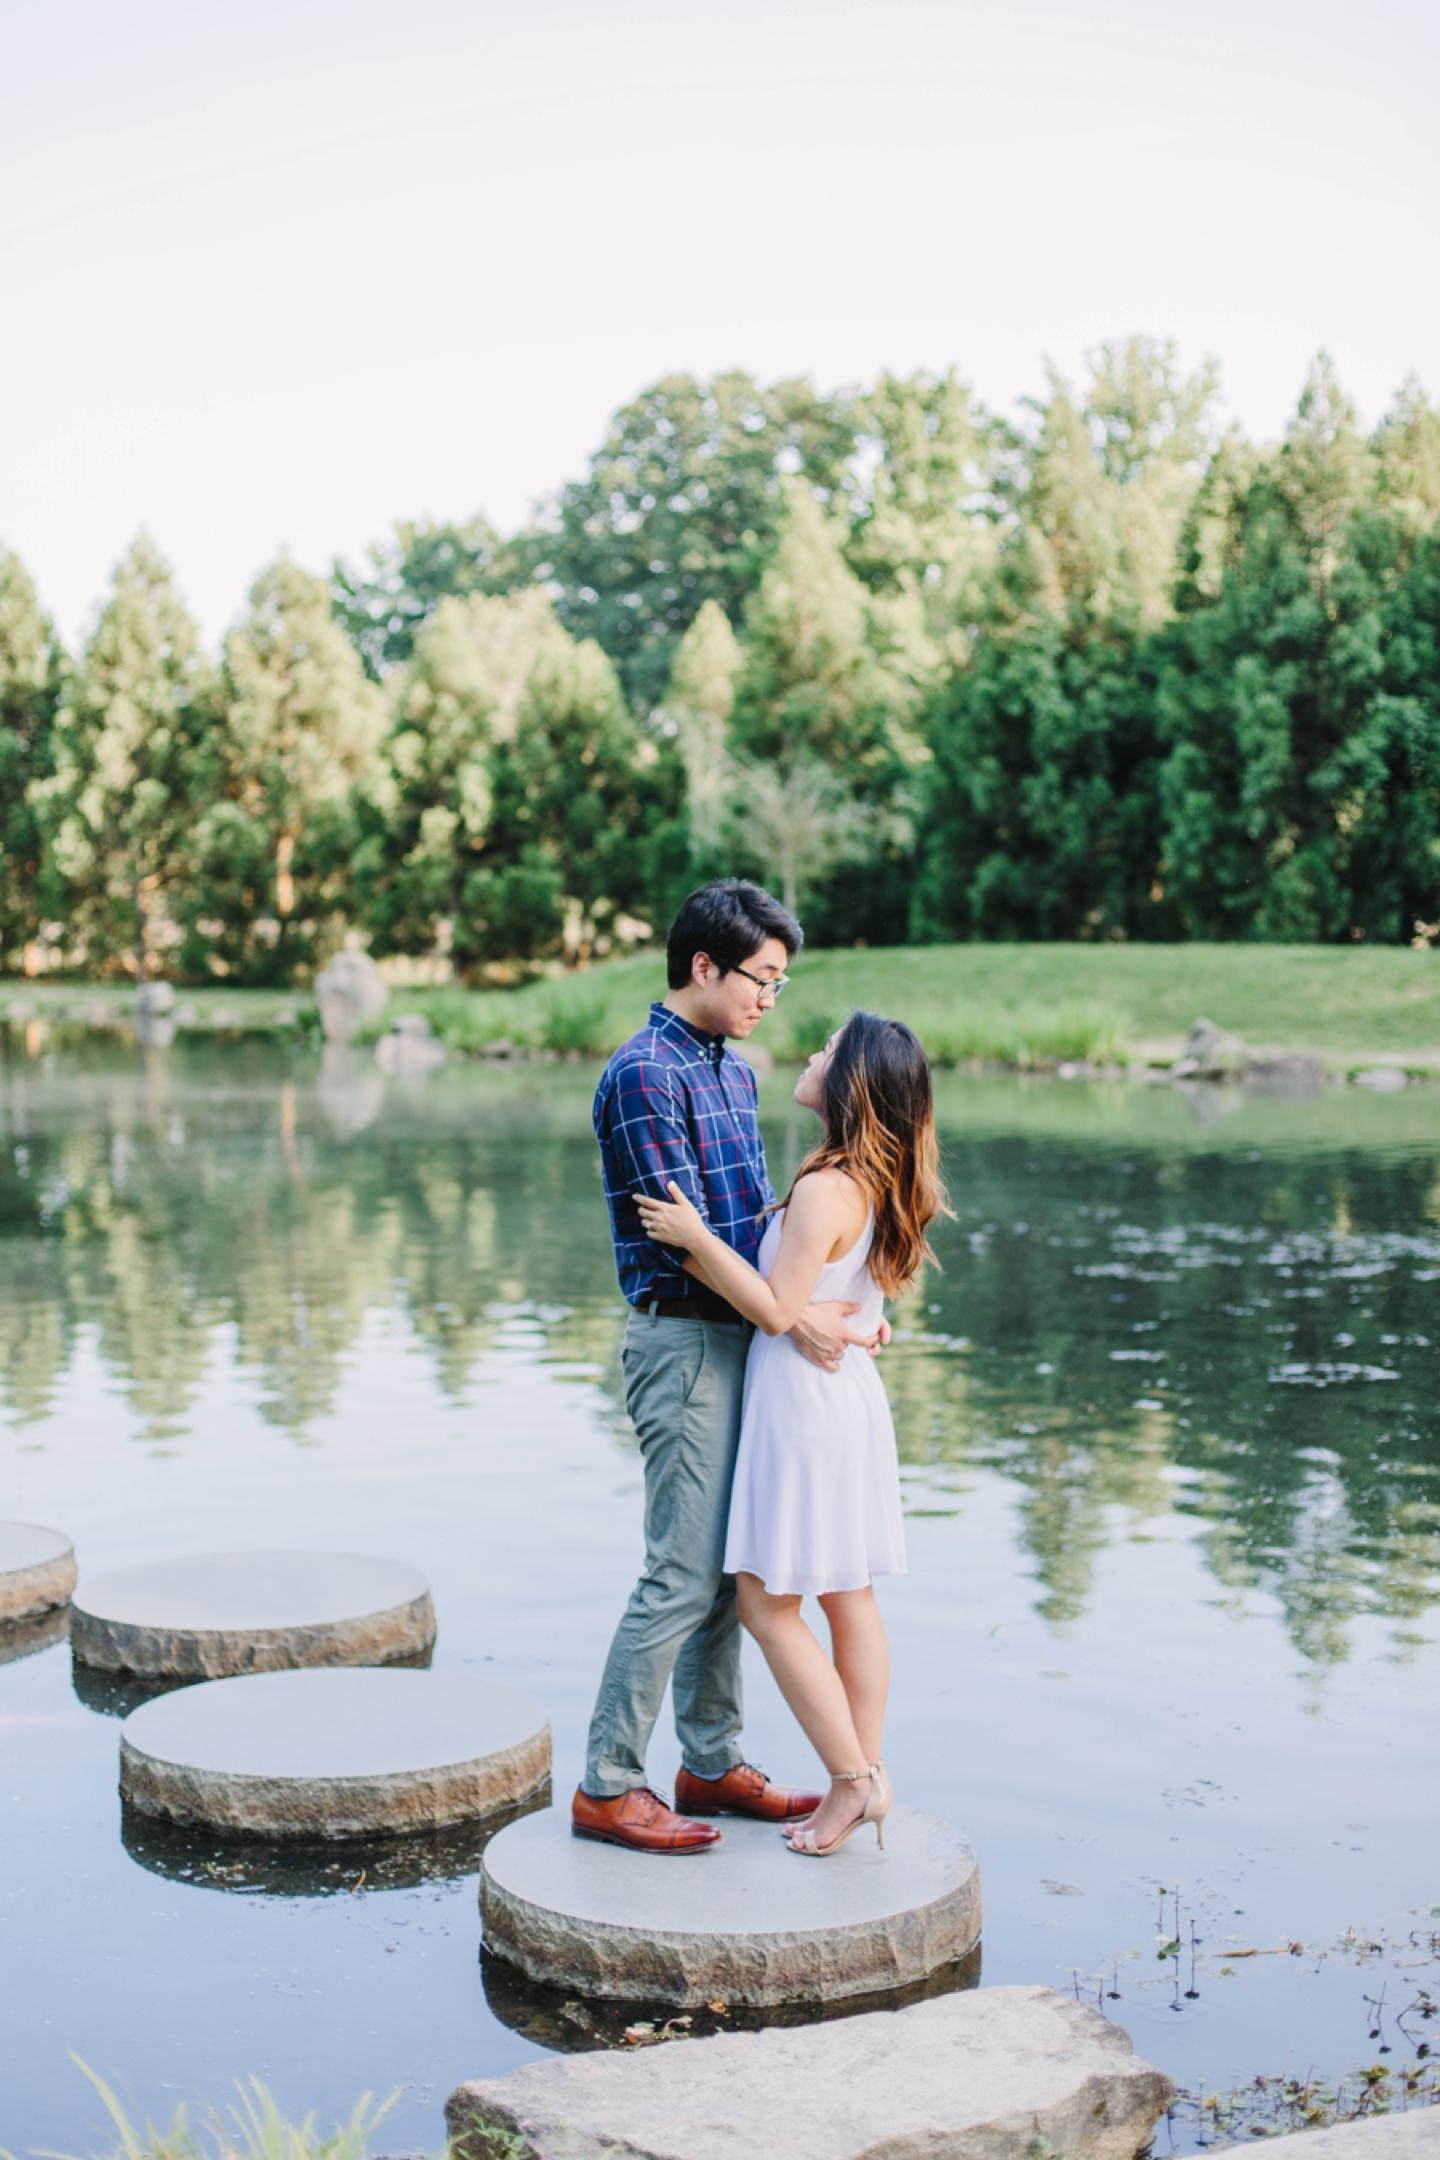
(276, 275)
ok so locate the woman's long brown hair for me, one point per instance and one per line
(879, 1117)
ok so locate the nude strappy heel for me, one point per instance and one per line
(877, 1807)
(879, 1775)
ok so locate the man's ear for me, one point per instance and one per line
(703, 970)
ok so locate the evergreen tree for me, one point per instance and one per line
(1042, 815)
(301, 725)
(1298, 793)
(823, 734)
(29, 694)
(587, 822)
(698, 704)
(129, 776)
(425, 816)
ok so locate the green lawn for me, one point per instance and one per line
(1019, 1004)
(1014, 1004)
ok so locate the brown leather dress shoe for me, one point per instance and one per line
(742, 1791)
(639, 1820)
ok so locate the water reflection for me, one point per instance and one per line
(572, 2025)
(1137, 1313)
(22, 1638)
(275, 1868)
(115, 1694)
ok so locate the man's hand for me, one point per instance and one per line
(822, 1335)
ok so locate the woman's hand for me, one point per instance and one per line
(674, 1221)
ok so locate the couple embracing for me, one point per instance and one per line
(770, 1464)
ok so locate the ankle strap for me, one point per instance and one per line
(847, 1777)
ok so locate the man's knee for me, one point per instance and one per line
(681, 1596)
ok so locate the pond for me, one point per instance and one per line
(1167, 1648)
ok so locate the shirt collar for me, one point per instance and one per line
(668, 1022)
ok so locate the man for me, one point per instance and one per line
(674, 1103)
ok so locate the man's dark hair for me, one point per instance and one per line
(729, 920)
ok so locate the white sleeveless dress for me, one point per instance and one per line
(816, 1501)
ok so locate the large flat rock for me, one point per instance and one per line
(748, 1920)
(213, 1614)
(338, 1753)
(37, 1569)
(1415, 2135)
(1004, 2073)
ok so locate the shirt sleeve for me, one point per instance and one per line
(649, 1133)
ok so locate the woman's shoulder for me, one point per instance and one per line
(831, 1190)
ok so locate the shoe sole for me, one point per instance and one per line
(708, 1814)
(653, 1852)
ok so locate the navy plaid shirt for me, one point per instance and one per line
(673, 1102)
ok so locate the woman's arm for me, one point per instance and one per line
(822, 1213)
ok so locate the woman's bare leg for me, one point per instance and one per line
(862, 1659)
(816, 1694)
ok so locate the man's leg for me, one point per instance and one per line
(707, 1685)
(683, 1383)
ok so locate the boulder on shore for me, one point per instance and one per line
(1211, 1054)
(998, 2074)
(351, 993)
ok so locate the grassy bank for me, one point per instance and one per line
(1022, 1005)
(1019, 1004)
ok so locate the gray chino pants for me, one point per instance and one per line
(683, 1386)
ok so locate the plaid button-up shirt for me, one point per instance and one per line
(673, 1102)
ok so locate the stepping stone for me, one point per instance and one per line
(335, 1754)
(219, 1613)
(745, 1922)
(37, 1569)
(1006, 2072)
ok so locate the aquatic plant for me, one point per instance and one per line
(256, 2130)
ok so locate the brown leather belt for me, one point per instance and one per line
(706, 1307)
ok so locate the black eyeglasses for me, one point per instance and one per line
(774, 986)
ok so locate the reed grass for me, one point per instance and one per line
(254, 2129)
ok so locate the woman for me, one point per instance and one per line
(815, 1508)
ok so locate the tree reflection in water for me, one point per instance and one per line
(1144, 1307)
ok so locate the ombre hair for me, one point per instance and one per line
(879, 1117)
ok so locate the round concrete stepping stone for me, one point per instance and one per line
(218, 1613)
(334, 1754)
(37, 1569)
(745, 1922)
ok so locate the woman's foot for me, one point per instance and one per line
(879, 1781)
(838, 1812)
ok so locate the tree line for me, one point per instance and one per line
(1102, 671)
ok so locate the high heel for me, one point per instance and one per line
(877, 1807)
(878, 1775)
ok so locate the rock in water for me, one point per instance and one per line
(1000, 2074)
(1372, 2137)
(351, 993)
(37, 1570)
(1211, 1054)
(745, 1922)
(212, 1614)
(341, 1752)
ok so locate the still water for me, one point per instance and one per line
(1167, 1647)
